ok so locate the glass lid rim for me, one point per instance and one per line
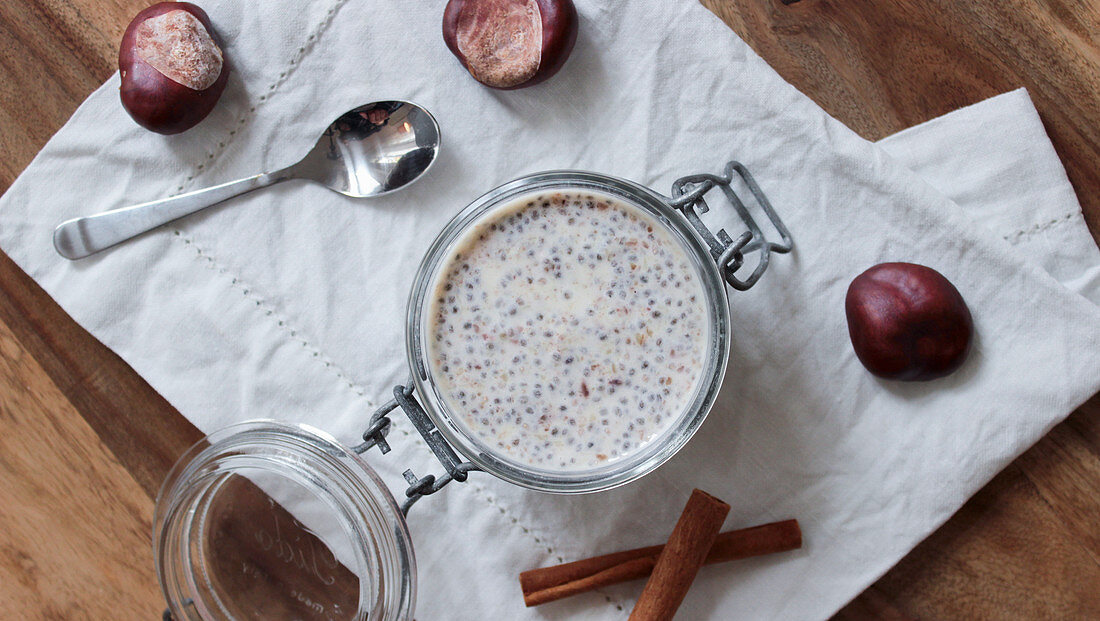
(251, 428)
(660, 449)
(381, 521)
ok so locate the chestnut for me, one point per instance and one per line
(509, 44)
(908, 322)
(173, 70)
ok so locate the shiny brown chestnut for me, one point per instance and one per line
(908, 322)
(510, 44)
(173, 70)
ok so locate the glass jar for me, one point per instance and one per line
(657, 450)
(266, 520)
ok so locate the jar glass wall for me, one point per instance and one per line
(268, 520)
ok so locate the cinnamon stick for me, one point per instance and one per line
(549, 584)
(684, 553)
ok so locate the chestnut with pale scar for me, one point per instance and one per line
(510, 44)
(171, 67)
(567, 330)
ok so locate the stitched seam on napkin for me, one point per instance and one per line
(1042, 226)
(292, 333)
(293, 64)
(267, 308)
(271, 312)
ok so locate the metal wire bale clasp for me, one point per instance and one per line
(729, 253)
(379, 427)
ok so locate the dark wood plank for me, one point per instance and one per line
(52, 55)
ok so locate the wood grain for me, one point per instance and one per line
(74, 525)
(1027, 546)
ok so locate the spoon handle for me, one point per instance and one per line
(80, 237)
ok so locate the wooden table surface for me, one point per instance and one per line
(84, 442)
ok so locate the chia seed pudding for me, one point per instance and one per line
(567, 330)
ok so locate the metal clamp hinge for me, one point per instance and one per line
(729, 253)
(380, 424)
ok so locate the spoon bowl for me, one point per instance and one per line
(371, 150)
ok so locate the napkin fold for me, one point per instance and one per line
(995, 161)
(289, 303)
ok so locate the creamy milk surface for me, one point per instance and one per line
(567, 329)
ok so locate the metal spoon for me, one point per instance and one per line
(369, 151)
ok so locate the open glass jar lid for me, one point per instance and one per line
(265, 520)
(567, 332)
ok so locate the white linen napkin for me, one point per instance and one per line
(288, 303)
